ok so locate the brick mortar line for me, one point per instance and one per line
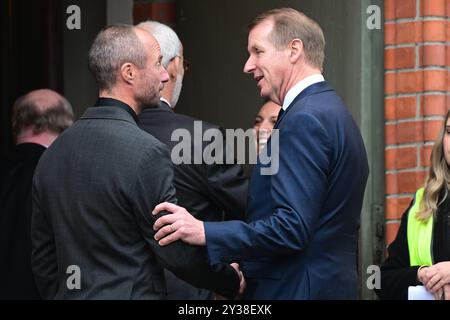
(418, 9)
(427, 143)
(416, 19)
(400, 196)
(407, 170)
(416, 44)
(406, 120)
(408, 145)
(402, 95)
(417, 95)
(393, 221)
(416, 69)
(433, 67)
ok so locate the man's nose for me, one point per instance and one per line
(249, 66)
(164, 75)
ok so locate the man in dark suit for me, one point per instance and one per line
(301, 238)
(94, 189)
(209, 192)
(37, 119)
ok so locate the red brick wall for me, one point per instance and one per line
(417, 95)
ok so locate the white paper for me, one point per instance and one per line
(419, 293)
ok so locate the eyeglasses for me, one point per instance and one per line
(186, 62)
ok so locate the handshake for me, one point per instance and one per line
(242, 284)
(181, 225)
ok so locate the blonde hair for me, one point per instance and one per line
(438, 178)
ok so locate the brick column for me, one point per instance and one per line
(417, 96)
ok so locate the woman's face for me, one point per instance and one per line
(446, 142)
(265, 121)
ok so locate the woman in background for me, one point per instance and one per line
(420, 254)
(264, 122)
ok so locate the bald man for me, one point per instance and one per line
(38, 118)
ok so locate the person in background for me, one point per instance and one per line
(211, 192)
(37, 119)
(420, 253)
(264, 122)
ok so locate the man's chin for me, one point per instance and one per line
(264, 95)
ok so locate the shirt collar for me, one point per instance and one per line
(166, 101)
(299, 87)
(110, 102)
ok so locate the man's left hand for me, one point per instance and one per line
(180, 225)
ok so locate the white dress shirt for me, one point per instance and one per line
(299, 87)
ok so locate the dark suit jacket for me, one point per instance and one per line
(16, 278)
(93, 193)
(302, 235)
(209, 192)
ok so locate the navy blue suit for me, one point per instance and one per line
(300, 239)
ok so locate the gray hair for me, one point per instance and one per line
(53, 114)
(167, 38)
(114, 46)
(290, 24)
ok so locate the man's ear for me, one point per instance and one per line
(296, 50)
(172, 68)
(128, 72)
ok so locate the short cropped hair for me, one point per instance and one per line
(114, 46)
(291, 24)
(167, 38)
(27, 113)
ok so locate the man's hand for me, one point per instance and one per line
(243, 283)
(435, 277)
(180, 225)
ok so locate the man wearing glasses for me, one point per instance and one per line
(211, 192)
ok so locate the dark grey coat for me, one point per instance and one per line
(93, 193)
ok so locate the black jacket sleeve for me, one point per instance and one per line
(227, 184)
(153, 185)
(396, 273)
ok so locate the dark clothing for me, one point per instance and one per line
(101, 102)
(16, 277)
(396, 273)
(209, 192)
(93, 193)
(301, 238)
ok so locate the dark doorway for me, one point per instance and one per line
(31, 55)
